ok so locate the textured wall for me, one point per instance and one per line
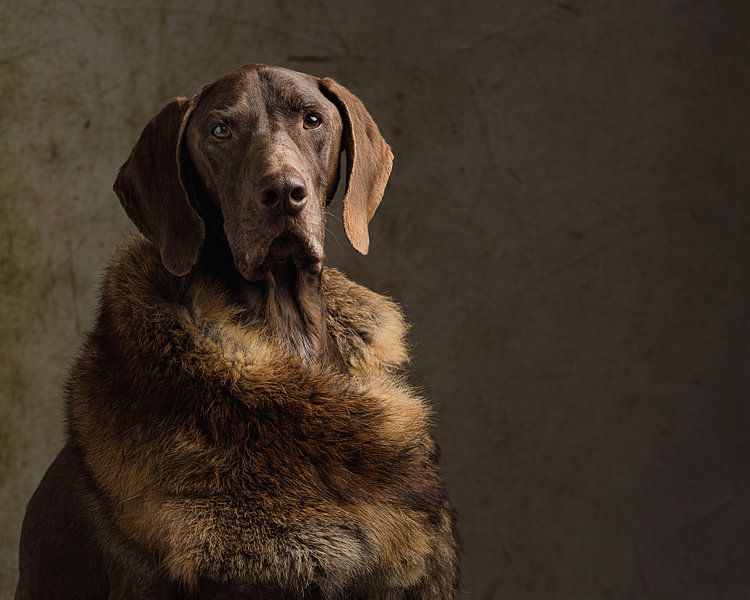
(567, 227)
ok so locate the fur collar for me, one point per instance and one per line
(223, 456)
(368, 329)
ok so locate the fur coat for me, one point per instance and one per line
(215, 455)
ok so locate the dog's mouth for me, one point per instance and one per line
(304, 253)
(288, 246)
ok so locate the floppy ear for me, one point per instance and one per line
(368, 163)
(151, 189)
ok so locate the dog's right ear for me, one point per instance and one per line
(150, 187)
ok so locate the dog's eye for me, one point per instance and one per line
(312, 120)
(220, 131)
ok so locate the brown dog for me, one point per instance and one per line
(238, 424)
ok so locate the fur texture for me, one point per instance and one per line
(214, 454)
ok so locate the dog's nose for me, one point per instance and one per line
(284, 192)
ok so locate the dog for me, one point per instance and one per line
(239, 425)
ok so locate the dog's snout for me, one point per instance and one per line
(284, 192)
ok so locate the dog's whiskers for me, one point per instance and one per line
(333, 233)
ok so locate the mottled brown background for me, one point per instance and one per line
(567, 227)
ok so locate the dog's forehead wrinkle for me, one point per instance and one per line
(229, 112)
(280, 75)
(283, 88)
(235, 96)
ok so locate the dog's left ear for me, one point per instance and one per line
(368, 163)
(150, 187)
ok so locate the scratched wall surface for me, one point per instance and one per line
(567, 227)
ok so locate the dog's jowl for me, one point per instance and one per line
(239, 425)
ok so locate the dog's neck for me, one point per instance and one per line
(290, 304)
(287, 301)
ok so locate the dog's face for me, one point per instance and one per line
(263, 143)
(266, 144)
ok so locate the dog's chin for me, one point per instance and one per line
(288, 249)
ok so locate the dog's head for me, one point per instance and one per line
(261, 147)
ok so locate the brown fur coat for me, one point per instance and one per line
(214, 454)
